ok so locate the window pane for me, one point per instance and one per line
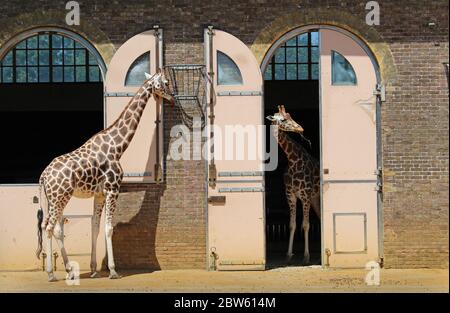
(8, 59)
(57, 56)
(57, 74)
(291, 71)
(21, 74)
(303, 39)
(94, 74)
(303, 71)
(93, 60)
(32, 74)
(69, 74)
(279, 56)
(291, 42)
(44, 76)
(80, 57)
(314, 71)
(7, 76)
(227, 71)
(43, 41)
(291, 55)
(280, 72)
(43, 57)
(32, 57)
(78, 45)
(303, 55)
(21, 57)
(314, 38)
(68, 43)
(68, 57)
(32, 42)
(342, 72)
(268, 73)
(315, 54)
(80, 74)
(22, 45)
(56, 41)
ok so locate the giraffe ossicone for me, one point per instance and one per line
(301, 179)
(92, 170)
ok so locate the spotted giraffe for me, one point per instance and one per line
(92, 170)
(301, 179)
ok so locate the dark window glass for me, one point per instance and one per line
(49, 57)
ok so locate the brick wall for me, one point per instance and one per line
(164, 226)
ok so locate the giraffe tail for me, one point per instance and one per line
(40, 218)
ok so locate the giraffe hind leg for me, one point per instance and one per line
(292, 201)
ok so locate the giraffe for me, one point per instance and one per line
(92, 170)
(301, 179)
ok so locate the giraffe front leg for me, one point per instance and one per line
(111, 199)
(99, 201)
(292, 201)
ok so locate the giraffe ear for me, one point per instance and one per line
(270, 118)
(148, 76)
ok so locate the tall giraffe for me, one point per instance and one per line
(92, 170)
(301, 179)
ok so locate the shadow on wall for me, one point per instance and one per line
(135, 224)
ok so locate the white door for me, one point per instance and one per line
(236, 182)
(349, 152)
(142, 161)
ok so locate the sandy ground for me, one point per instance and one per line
(288, 279)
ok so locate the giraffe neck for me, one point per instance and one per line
(289, 146)
(123, 129)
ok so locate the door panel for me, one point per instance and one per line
(349, 155)
(236, 227)
(138, 161)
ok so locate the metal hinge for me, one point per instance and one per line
(380, 91)
(379, 173)
(212, 177)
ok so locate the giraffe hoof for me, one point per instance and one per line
(52, 278)
(95, 275)
(70, 276)
(306, 260)
(114, 275)
(289, 258)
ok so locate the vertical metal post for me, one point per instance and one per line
(212, 177)
(157, 166)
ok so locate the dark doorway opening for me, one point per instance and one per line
(301, 100)
(43, 121)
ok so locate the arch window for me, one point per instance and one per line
(342, 72)
(228, 72)
(296, 59)
(136, 73)
(49, 57)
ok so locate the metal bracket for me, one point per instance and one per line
(158, 172)
(242, 189)
(380, 91)
(236, 174)
(144, 174)
(239, 93)
(212, 177)
(119, 94)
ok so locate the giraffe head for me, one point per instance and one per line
(285, 121)
(158, 85)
